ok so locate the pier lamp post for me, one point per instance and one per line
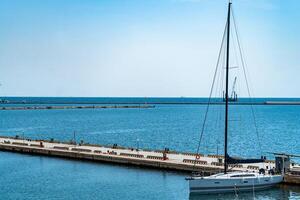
(23, 136)
(74, 137)
(217, 147)
(137, 144)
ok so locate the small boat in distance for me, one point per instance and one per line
(232, 181)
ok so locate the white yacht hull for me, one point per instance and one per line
(223, 184)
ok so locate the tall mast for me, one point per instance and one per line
(226, 92)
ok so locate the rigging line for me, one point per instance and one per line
(218, 79)
(234, 48)
(218, 93)
(215, 109)
(244, 70)
(221, 92)
(210, 94)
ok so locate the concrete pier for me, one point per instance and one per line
(116, 154)
(160, 159)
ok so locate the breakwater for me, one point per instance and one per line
(73, 107)
(136, 104)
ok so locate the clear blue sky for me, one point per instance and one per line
(142, 47)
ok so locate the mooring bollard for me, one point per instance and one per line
(165, 153)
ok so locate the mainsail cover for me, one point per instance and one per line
(231, 160)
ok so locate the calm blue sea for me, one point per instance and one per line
(176, 126)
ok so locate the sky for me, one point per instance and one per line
(143, 48)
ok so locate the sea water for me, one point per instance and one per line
(177, 127)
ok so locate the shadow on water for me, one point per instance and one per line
(279, 192)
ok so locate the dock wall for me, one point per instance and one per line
(292, 179)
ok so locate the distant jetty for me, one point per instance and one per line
(73, 107)
(132, 104)
(282, 102)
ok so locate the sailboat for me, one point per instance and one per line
(231, 181)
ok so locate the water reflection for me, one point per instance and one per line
(282, 192)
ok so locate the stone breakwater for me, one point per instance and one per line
(73, 107)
